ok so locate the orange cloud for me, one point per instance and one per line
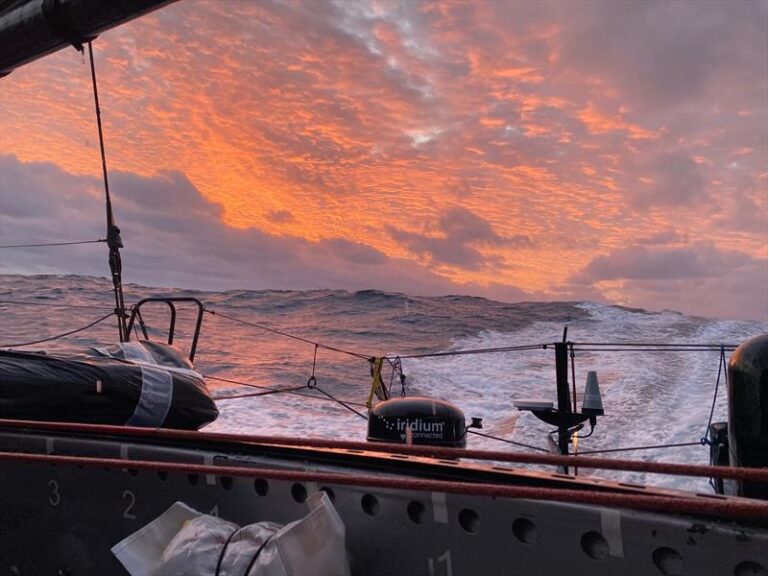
(322, 120)
(599, 123)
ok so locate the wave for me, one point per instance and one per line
(650, 397)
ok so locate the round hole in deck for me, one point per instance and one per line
(193, 479)
(469, 520)
(417, 512)
(226, 482)
(261, 486)
(749, 568)
(162, 475)
(370, 504)
(330, 493)
(668, 561)
(299, 492)
(595, 545)
(525, 531)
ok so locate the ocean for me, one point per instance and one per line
(268, 339)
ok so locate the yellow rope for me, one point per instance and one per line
(377, 384)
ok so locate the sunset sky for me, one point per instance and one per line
(608, 151)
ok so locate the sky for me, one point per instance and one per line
(605, 151)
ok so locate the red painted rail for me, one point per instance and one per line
(733, 473)
(706, 506)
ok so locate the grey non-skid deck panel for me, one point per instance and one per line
(65, 518)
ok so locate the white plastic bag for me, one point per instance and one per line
(182, 541)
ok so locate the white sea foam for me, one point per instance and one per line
(650, 398)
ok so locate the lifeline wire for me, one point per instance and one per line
(363, 416)
(663, 350)
(257, 386)
(286, 334)
(529, 446)
(22, 303)
(633, 448)
(657, 345)
(53, 244)
(477, 351)
(58, 335)
(265, 393)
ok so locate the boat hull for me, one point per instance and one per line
(65, 517)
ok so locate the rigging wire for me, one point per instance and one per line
(58, 336)
(664, 350)
(575, 346)
(113, 232)
(264, 393)
(507, 441)
(573, 377)
(721, 365)
(474, 351)
(632, 448)
(100, 240)
(341, 402)
(53, 305)
(658, 344)
(397, 368)
(261, 387)
(238, 383)
(287, 335)
(312, 380)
